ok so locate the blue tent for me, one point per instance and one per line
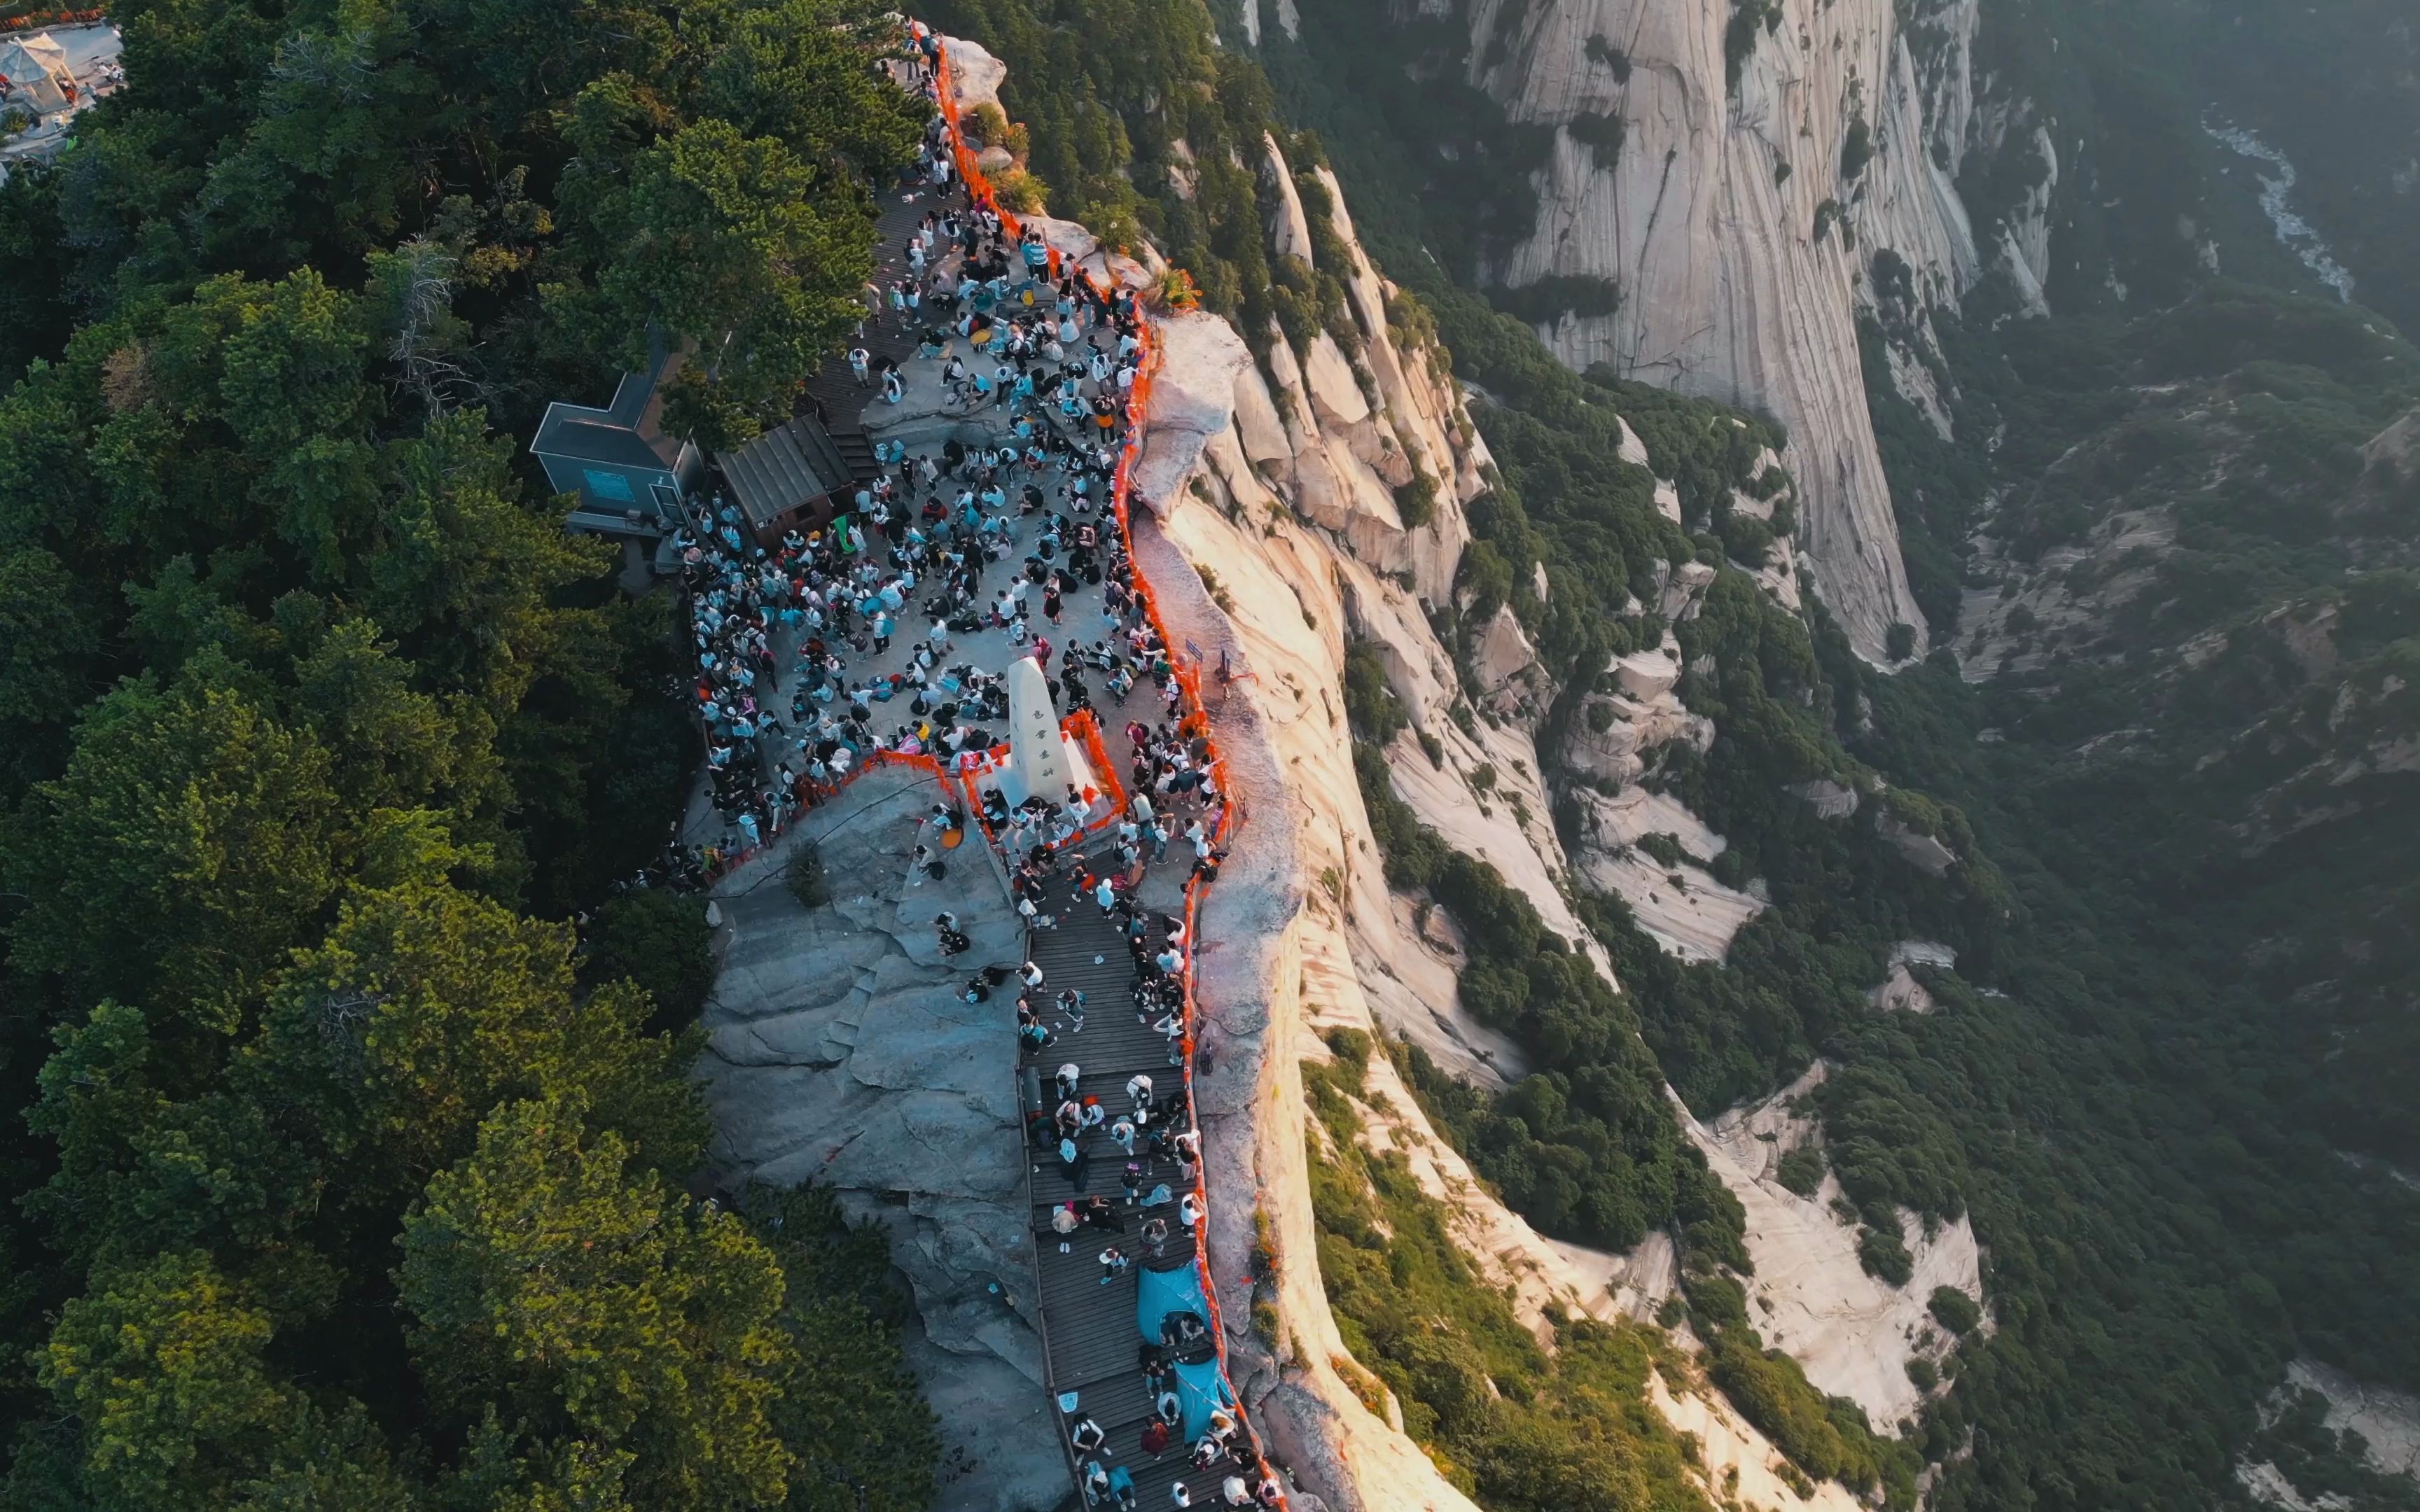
(1162, 1292)
(1201, 1388)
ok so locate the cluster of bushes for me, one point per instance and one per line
(1748, 18)
(1827, 1436)
(1601, 133)
(1614, 58)
(1589, 1153)
(1556, 296)
(1519, 1426)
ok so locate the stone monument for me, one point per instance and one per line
(1037, 752)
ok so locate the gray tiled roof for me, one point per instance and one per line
(587, 440)
(783, 468)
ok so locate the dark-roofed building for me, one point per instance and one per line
(629, 475)
(785, 477)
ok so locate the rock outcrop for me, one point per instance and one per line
(1738, 219)
(1853, 1334)
(1275, 505)
(838, 1051)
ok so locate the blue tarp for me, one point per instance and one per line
(1162, 1292)
(1201, 1388)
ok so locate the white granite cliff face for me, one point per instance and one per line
(1266, 523)
(1736, 283)
(1303, 934)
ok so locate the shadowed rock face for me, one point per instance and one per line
(838, 1051)
(1707, 221)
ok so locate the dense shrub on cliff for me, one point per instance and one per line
(1592, 1154)
(1518, 1426)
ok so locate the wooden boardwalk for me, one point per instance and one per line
(1090, 1343)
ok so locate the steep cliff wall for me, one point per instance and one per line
(1269, 528)
(1303, 936)
(1737, 220)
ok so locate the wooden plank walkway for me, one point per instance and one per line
(1092, 1345)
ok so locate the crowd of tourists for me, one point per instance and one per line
(796, 677)
(816, 653)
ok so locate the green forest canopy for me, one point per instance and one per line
(344, 1183)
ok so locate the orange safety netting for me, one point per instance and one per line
(1195, 721)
